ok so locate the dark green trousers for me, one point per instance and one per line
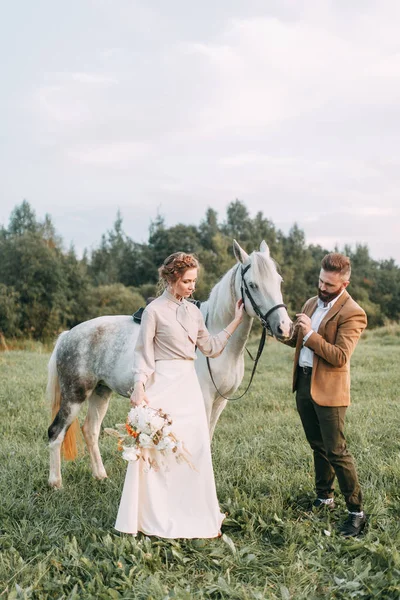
(324, 429)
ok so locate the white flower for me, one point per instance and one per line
(156, 423)
(145, 441)
(131, 453)
(133, 416)
(143, 420)
(165, 444)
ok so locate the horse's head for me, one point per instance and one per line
(260, 285)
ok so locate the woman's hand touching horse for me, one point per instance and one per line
(239, 308)
(233, 325)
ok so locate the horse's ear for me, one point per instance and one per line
(239, 253)
(264, 247)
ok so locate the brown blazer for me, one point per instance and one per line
(333, 346)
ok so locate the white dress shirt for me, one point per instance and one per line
(306, 356)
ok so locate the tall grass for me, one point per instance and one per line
(61, 544)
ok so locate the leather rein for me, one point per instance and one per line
(245, 291)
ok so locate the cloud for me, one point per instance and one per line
(118, 155)
(93, 78)
(69, 99)
(370, 211)
(255, 78)
(267, 73)
(292, 107)
(373, 226)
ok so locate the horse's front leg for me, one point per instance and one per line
(208, 403)
(98, 404)
(55, 479)
(217, 408)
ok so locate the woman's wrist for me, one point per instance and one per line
(233, 325)
(236, 322)
(136, 386)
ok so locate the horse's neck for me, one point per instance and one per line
(219, 311)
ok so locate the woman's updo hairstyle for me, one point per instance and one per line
(174, 267)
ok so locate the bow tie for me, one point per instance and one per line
(186, 321)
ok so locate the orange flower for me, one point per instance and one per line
(130, 430)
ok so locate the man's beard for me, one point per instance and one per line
(328, 297)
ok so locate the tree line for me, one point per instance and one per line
(45, 288)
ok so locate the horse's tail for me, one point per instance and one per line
(53, 392)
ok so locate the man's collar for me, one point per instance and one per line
(328, 306)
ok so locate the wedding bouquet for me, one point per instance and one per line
(148, 428)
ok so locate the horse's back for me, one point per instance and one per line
(106, 321)
(101, 349)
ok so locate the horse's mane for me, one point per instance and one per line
(221, 292)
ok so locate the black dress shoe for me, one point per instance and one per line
(318, 503)
(353, 525)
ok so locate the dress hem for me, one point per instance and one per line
(173, 537)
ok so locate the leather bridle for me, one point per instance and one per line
(244, 289)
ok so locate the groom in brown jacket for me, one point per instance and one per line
(326, 333)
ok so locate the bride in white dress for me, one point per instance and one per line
(179, 502)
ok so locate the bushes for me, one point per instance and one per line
(115, 299)
(45, 289)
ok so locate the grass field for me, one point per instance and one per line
(61, 544)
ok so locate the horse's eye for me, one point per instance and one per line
(253, 286)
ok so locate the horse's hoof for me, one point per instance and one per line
(56, 484)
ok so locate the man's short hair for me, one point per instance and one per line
(338, 263)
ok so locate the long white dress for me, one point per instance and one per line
(179, 502)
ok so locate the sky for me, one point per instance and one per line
(150, 107)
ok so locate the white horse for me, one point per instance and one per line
(96, 357)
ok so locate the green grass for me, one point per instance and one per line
(61, 544)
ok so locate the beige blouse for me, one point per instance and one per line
(171, 329)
